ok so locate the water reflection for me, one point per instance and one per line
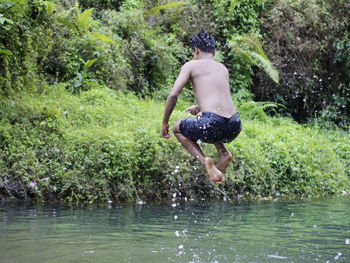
(304, 231)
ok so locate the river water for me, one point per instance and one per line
(274, 231)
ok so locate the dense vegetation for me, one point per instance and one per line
(83, 87)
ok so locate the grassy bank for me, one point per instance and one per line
(106, 145)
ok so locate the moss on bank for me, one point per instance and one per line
(105, 144)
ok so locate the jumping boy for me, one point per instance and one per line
(217, 121)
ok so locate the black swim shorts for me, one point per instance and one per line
(211, 128)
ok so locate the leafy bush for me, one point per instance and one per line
(104, 145)
(25, 40)
(237, 18)
(83, 137)
(306, 41)
(58, 44)
(152, 56)
(279, 158)
(101, 4)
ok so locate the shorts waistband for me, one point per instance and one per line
(219, 117)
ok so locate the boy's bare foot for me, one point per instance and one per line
(214, 174)
(223, 162)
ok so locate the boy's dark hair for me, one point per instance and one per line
(204, 41)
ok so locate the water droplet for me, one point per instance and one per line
(173, 205)
(276, 256)
(175, 217)
(181, 246)
(177, 233)
(339, 254)
(347, 241)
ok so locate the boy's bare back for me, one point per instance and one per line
(210, 81)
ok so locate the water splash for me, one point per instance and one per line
(337, 257)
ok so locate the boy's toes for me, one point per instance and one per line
(220, 180)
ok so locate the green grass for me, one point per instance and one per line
(105, 144)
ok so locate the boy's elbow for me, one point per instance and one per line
(173, 96)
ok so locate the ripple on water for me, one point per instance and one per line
(305, 231)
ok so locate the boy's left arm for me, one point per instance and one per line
(179, 84)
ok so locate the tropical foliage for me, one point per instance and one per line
(83, 85)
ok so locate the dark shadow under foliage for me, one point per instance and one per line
(308, 42)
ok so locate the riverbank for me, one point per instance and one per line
(105, 145)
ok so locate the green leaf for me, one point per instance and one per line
(80, 77)
(4, 19)
(101, 37)
(50, 7)
(233, 4)
(89, 63)
(6, 52)
(156, 10)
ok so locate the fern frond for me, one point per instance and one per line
(156, 10)
(266, 65)
(258, 110)
(245, 53)
(251, 48)
(84, 20)
(255, 43)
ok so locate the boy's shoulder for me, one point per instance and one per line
(204, 63)
(189, 66)
(195, 62)
(189, 63)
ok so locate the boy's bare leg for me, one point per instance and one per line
(193, 148)
(225, 157)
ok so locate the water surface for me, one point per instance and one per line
(282, 231)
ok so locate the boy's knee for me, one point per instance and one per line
(176, 128)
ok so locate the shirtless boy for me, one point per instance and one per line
(216, 120)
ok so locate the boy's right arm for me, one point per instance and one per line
(179, 84)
